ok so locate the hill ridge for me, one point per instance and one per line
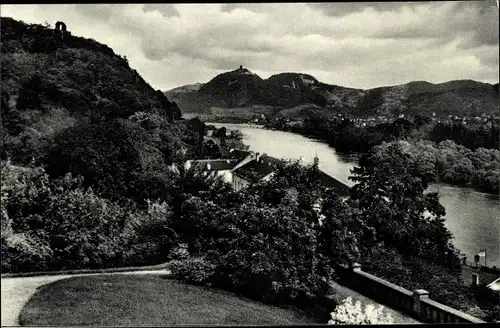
(51, 80)
(287, 90)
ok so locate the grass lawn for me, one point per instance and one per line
(118, 300)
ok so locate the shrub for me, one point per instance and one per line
(194, 270)
(148, 235)
(56, 224)
(24, 252)
(180, 252)
(84, 230)
(349, 313)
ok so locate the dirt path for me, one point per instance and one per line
(17, 291)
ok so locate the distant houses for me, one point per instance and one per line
(214, 167)
(242, 168)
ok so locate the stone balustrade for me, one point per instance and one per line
(416, 304)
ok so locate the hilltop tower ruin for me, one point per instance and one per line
(60, 26)
(61, 29)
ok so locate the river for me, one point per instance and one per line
(471, 216)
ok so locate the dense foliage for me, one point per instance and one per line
(471, 161)
(458, 165)
(407, 242)
(262, 242)
(343, 133)
(57, 224)
(54, 224)
(49, 82)
(472, 136)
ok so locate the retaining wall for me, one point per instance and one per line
(417, 304)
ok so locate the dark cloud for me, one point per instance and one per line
(167, 10)
(472, 23)
(483, 24)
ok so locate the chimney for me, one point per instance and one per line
(208, 166)
(241, 66)
(257, 156)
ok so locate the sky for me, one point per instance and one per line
(360, 45)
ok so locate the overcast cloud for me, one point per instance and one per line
(361, 45)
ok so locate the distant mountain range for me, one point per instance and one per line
(243, 93)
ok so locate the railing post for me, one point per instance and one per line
(418, 295)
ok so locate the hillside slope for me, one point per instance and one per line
(287, 93)
(51, 80)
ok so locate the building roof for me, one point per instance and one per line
(332, 183)
(238, 154)
(257, 169)
(215, 164)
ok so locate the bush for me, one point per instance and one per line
(24, 252)
(149, 238)
(194, 270)
(349, 313)
(179, 253)
(56, 224)
(84, 230)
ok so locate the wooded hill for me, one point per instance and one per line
(291, 93)
(51, 79)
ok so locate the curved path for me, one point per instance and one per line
(16, 291)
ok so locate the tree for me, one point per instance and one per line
(262, 242)
(342, 232)
(405, 240)
(390, 192)
(115, 157)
